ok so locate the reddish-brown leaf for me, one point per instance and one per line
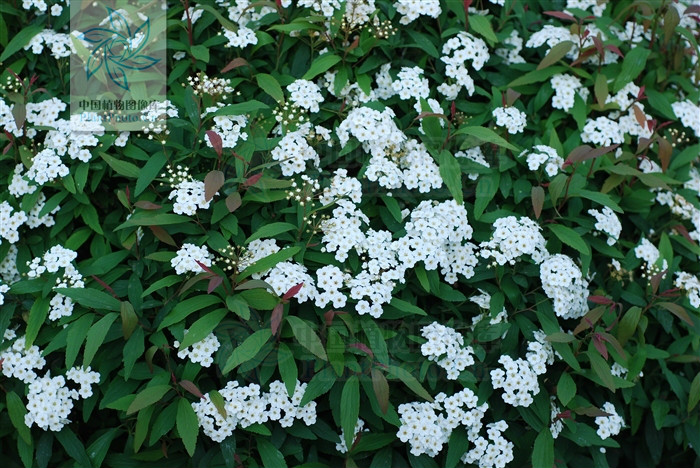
(146, 205)
(252, 180)
(537, 195)
(276, 318)
(585, 152)
(590, 319)
(204, 267)
(214, 283)
(639, 115)
(591, 411)
(665, 151)
(381, 389)
(362, 347)
(233, 64)
(512, 96)
(615, 344)
(292, 291)
(561, 15)
(684, 232)
(329, 316)
(162, 235)
(600, 300)
(656, 280)
(233, 202)
(677, 310)
(192, 388)
(213, 181)
(600, 346)
(215, 141)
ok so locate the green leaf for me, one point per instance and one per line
(260, 299)
(350, 408)
(183, 309)
(632, 65)
(482, 26)
(270, 456)
(129, 319)
(536, 76)
(37, 317)
(147, 397)
(96, 336)
(149, 172)
(320, 65)
(202, 327)
(271, 86)
(187, 425)
(270, 230)
(570, 237)
(601, 368)
(406, 306)
(248, 349)
(410, 381)
(132, 351)
(306, 336)
(16, 410)
(91, 298)
(486, 135)
(555, 54)
(124, 168)
(268, 262)
(74, 448)
(601, 89)
(219, 403)
(318, 385)
(335, 348)
(451, 174)
(601, 198)
(75, 337)
(628, 324)
(376, 339)
(486, 189)
(543, 450)
(20, 40)
(694, 393)
(143, 419)
(287, 367)
(162, 283)
(249, 107)
(152, 219)
(97, 451)
(200, 52)
(381, 389)
(566, 388)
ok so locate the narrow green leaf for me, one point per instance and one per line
(376, 339)
(482, 26)
(628, 324)
(96, 336)
(287, 367)
(270, 456)
(147, 397)
(451, 174)
(248, 349)
(457, 445)
(129, 319)
(187, 425)
(16, 410)
(149, 172)
(543, 450)
(320, 65)
(632, 65)
(601, 369)
(486, 189)
(73, 446)
(92, 298)
(77, 331)
(97, 451)
(306, 336)
(20, 40)
(318, 385)
(555, 54)
(183, 309)
(566, 388)
(202, 327)
(486, 135)
(335, 349)
(270, 85)
(270, 230)
(381, 389)
(570, 237)
(694, 393)
(406, 306)
(143, 419)
(37, 317)
(350, 408)
(268, 262)
(410, 381)
(121, 167)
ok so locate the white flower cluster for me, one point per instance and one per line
(474, 154)
(511, 54)
(49, 401)
(330, 279)
(410, 10)
(455, 52)
(305, 94)
(412, 166)
(609, 425)
(342, 186)
(551, 35)
(565, 89)
(187, 257)
(564, 283)
(680, 207)
(247, 405)
(55, 258)
(34, 220)
(342, 231)
(607, 222)
(437, 235)
(650, 254)
(620, 371)
(513, 119)
(556, 425)
(446, 347)
(376, 130)
(19, 362)
(598, 7)
(257, 249)
(689, 113)
(46, 167)
(410, 84)
(8, 266)
(294, 150)
(245, 14)
(341, 446)
(10, 221)
(483, 300)
(602, 131)
(427, 431)
(200, 352)
(496, 452)
(60, 44)
(285, 275)
(155, 114)
(513, 238)
(544, 155)
(187, 192)
(231, 128)
(691, 285)
(352, 93)
(3, 289)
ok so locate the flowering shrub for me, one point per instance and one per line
(370, 233)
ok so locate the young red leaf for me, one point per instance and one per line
(213, 181)
(233, 202)
(362, 347)
(292, 292)
(192, 388)
(235, 63)
(204, 267)
(215, 141)
(561, 15)
(656, 280)
(146, 205)
(677, 310)
(276, 318)
(214, 283)
(537, 195)
(665, 150)
(162, 235)
(381, 389)
(600, 300)
(252, 180)
(600, 346)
